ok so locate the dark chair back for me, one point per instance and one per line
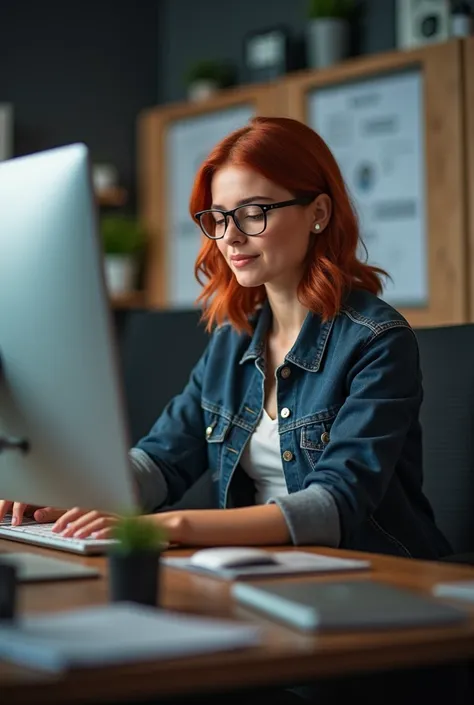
(447, 417)
(157, 351)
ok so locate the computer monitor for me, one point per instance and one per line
(63, 434)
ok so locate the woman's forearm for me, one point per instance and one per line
(260, 525)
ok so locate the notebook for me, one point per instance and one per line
(117, 634)
(288, 563)
(345, 605)
(33, 568)
(459, 589)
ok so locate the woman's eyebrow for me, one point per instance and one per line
(244, 201)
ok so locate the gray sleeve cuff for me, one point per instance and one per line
(149, 481)
(312, 516)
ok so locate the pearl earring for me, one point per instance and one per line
(317, 226)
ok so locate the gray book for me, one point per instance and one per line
(117, 634)
(31, 567)
(358, 604)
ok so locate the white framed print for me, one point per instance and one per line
(189, 141)
(375, 129)
(6, 131)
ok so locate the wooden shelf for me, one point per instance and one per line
(112, 197)
(135, 299)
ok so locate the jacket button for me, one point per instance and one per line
(325, 438)
(285, 373)
(287, 455)
(209, 431)
(285, 412)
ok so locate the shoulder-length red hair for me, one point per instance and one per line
(292, 155)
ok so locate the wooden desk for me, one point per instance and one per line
(285, 657)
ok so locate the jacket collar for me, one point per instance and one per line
(308, 349)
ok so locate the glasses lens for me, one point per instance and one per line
(213, 223)
(251, 219)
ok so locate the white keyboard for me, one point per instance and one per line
(31, 532)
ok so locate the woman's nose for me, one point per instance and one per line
(233, 234)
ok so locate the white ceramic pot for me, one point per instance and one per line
(120, 274)
(202, 90)
(328, 41)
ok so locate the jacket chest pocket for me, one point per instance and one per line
(217, 429)
(314, 439)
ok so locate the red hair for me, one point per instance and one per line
(292, 155)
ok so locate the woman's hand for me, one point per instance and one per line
(18, 510)
(82, 524)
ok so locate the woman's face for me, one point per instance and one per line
(276, 256)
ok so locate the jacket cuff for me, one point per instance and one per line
(312, 516)
(150, 484)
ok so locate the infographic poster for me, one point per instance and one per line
(375, 129)
(189, 141)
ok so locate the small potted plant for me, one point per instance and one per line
(328, 36)
(123, 239)
(134, 560)
(206, 77)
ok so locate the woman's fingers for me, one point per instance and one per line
(47, 514)
(99, 525)
(19, 510)
(17, 513)
(80, 520)
(67, 518)
(5, 508)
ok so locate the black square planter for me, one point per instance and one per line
(134, 577)
(8, 591)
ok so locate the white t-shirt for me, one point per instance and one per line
(261, 460)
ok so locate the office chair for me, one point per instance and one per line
(447, 418)
(157, 351)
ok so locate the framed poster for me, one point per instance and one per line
(173, 142)
(375, 129)
(6, 131)
(188, 142)
(401, 152)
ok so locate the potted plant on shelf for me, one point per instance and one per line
(134, 560)
(206, 77)
(123, 240)
(328, 36)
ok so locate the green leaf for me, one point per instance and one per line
(341, 9)
(207, 69)
(121, 234)
(138, 534)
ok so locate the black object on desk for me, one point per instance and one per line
(134, 577)
(8, 591)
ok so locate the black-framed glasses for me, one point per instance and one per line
(250, 219)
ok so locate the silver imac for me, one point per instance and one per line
(63, 435)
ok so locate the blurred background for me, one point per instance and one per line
(140, 81)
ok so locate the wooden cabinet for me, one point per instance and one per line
(468, 97)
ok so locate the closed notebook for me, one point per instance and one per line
(345, 605)
(33, 568)
(459, 589)
(116, 634)
(286, 563)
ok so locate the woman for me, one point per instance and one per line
(305, 403)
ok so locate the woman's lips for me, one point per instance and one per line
(242, 260)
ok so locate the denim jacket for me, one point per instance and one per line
(348, 398)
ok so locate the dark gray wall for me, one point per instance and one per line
(190, 30)
(79, 70)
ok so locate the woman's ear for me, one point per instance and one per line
(321, 211)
